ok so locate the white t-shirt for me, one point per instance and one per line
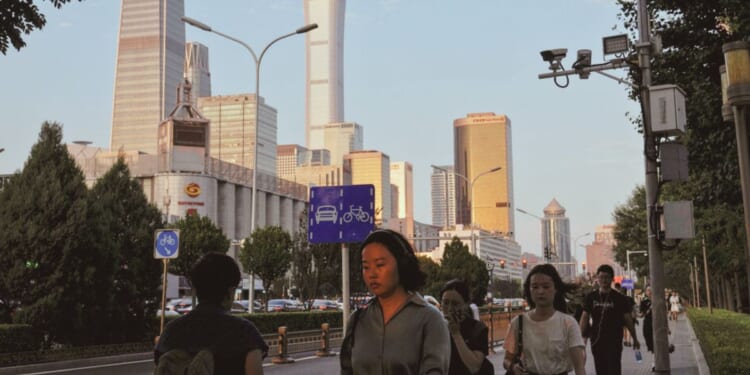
(546, 344)
(474, 311)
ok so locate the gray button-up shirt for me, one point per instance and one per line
(415, 340)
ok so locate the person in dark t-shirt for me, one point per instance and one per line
(234, 343)
(605, 312)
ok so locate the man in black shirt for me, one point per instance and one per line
(605, 312)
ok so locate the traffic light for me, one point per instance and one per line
(546, 253)
(583, 265)
(523, 262)
(502, 263)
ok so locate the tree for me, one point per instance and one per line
(433, 282)
(130, 222)
(458, 263)
(302, 265)
(198, 236)
(54, 267)
(21, 17)
(267, 254)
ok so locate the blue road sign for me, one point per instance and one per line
(341, 214)
(166, 243)
(627, 284)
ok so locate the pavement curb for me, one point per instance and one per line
(700, 359)
(94, 361)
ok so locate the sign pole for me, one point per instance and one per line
(163, 294)
(345, 283)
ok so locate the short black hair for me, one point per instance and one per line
(411, 277)
(213, 276)
(606, 268)
(459, 286)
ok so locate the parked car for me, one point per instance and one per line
(278, 305)
(167, 313)
(180, 305)
(257, 305)
(324, 304)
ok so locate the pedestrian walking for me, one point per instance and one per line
(208, 337)
(605, 312)
(468, 336)
(674, 305)
(550, 338)
(396, 332)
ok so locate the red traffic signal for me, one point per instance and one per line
(583, 265)
(502, 263)
(523, 262)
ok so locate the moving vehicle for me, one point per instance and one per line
(323, 305)
(279, 305)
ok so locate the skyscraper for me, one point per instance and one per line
(402, 177)
(150, 58)
(556, 236)
(325, 68)
(233, 129)
(373, 167)
(482, 142)
(340, 138)
(443, 192)
(196, 70)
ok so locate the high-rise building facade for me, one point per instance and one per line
(150, 58)
(373, 167)
(600, 251)
(338, 138)
(402, 177)
(233, 130)
(482, 142)
(325, 67)
(196, 70)
(556, 237)
(443, 193)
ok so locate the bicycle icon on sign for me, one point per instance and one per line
(356, 213)
(167, 240)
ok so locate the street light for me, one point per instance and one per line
(471, 192)
(257, 61)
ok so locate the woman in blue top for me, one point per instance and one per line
(397, 332)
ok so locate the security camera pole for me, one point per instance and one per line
(656, 265)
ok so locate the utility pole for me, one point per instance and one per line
(656, 264)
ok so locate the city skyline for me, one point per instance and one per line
(406, 82)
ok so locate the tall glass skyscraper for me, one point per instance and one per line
(483, 142)
(325, 68)
(196, 70)
(150, 58)
(443, 192)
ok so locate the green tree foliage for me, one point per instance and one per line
(19, 17)
(130, 222)
(433, 282)
(267, 254)
(458, 263)
(54, 267)
(302, 265)
(198, 236)
(693, 33)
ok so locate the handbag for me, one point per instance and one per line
(517, 357)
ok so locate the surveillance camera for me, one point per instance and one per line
(556, 54)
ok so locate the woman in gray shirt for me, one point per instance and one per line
(397, 332)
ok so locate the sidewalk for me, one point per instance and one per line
(687, 358)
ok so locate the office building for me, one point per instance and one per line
(483, 142)
(443, 196)
(325, 66)
(556, 238)
(233, 130)
(600, 251)
(338, 138)
(373, 167)
(196, 70)
(402, 177)
(150, 59)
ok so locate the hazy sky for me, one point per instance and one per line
(410, 68)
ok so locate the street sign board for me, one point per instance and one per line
(166, 243)
(627, 284)
(341, 214)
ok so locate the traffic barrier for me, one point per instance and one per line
(282, 357)
(325, 342)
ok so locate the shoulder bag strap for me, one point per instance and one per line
(520, 337)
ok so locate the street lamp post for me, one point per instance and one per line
(471, 192)
(630, 270)
(257, 60)
(491, 270)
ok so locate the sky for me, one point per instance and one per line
(411, 67)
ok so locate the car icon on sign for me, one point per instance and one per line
(326, 213)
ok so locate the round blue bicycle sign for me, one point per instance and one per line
(166, 243)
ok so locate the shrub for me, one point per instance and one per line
(724, 337)
(19, 338)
